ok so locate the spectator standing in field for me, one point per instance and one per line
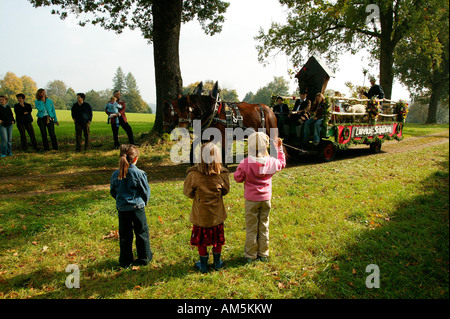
(6, 127)
(24, 121)
(46, 118)
(256, 172)
(113, 108)
(122, 122)
(207, 183)
(130, 188)
(82, 117)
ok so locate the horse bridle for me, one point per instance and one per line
(172, 115)
(188, 118)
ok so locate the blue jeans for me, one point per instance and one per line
(317, 128)
(6, 139)
(136, 221)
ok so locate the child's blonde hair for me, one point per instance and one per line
(128, 154)
(211, 159)
(113, 98)
(258, 143)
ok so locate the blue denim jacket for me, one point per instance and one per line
(131, 192)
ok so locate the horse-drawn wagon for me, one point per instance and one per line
(381, 120)
(345, 121)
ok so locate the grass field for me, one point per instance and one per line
(329, 221)
(100, 130)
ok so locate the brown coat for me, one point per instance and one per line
(207, 192)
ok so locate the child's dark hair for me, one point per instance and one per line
(128, 154)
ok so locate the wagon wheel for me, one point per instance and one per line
(327, 151)
(375, 147)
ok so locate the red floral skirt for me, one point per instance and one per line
(208, 236)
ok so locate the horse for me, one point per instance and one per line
(170, 116)
(214, 113)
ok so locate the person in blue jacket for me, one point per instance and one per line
(46, 118)
(130, 189)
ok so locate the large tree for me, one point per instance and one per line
(329, 28)
(119, 80)
(159, 22)
(423, 65)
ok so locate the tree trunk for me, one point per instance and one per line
(386, 68)
(166, 38)
(436, 91)
(386, 53)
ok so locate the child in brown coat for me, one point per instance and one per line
(207, 183)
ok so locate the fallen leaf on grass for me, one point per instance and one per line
(113, 234)
(281, 285)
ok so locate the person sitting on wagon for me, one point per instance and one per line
(375, 90)
(317, 110)
(281, 111)
(300, 113)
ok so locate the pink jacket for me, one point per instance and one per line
(256, 173)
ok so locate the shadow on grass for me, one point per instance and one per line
(411, 250)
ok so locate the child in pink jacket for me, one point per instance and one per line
(256, 172)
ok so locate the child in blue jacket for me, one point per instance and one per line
(130, 189)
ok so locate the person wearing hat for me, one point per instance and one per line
(24, 119)
(375, 90)
(281, 111)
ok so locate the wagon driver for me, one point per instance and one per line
(375, 90)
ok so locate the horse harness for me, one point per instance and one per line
(233, 117)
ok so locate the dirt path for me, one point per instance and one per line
(158, 174)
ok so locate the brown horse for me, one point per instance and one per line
(215, 113)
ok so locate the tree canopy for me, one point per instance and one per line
(11, 85)
(329, 28)
(423, 64)
(278, 86)
(159, 22)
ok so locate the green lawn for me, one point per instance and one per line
(329, 221)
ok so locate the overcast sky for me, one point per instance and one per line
(40, 45)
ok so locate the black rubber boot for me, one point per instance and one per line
(202, 265)
(218, 263)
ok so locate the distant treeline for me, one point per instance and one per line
(64, 97)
